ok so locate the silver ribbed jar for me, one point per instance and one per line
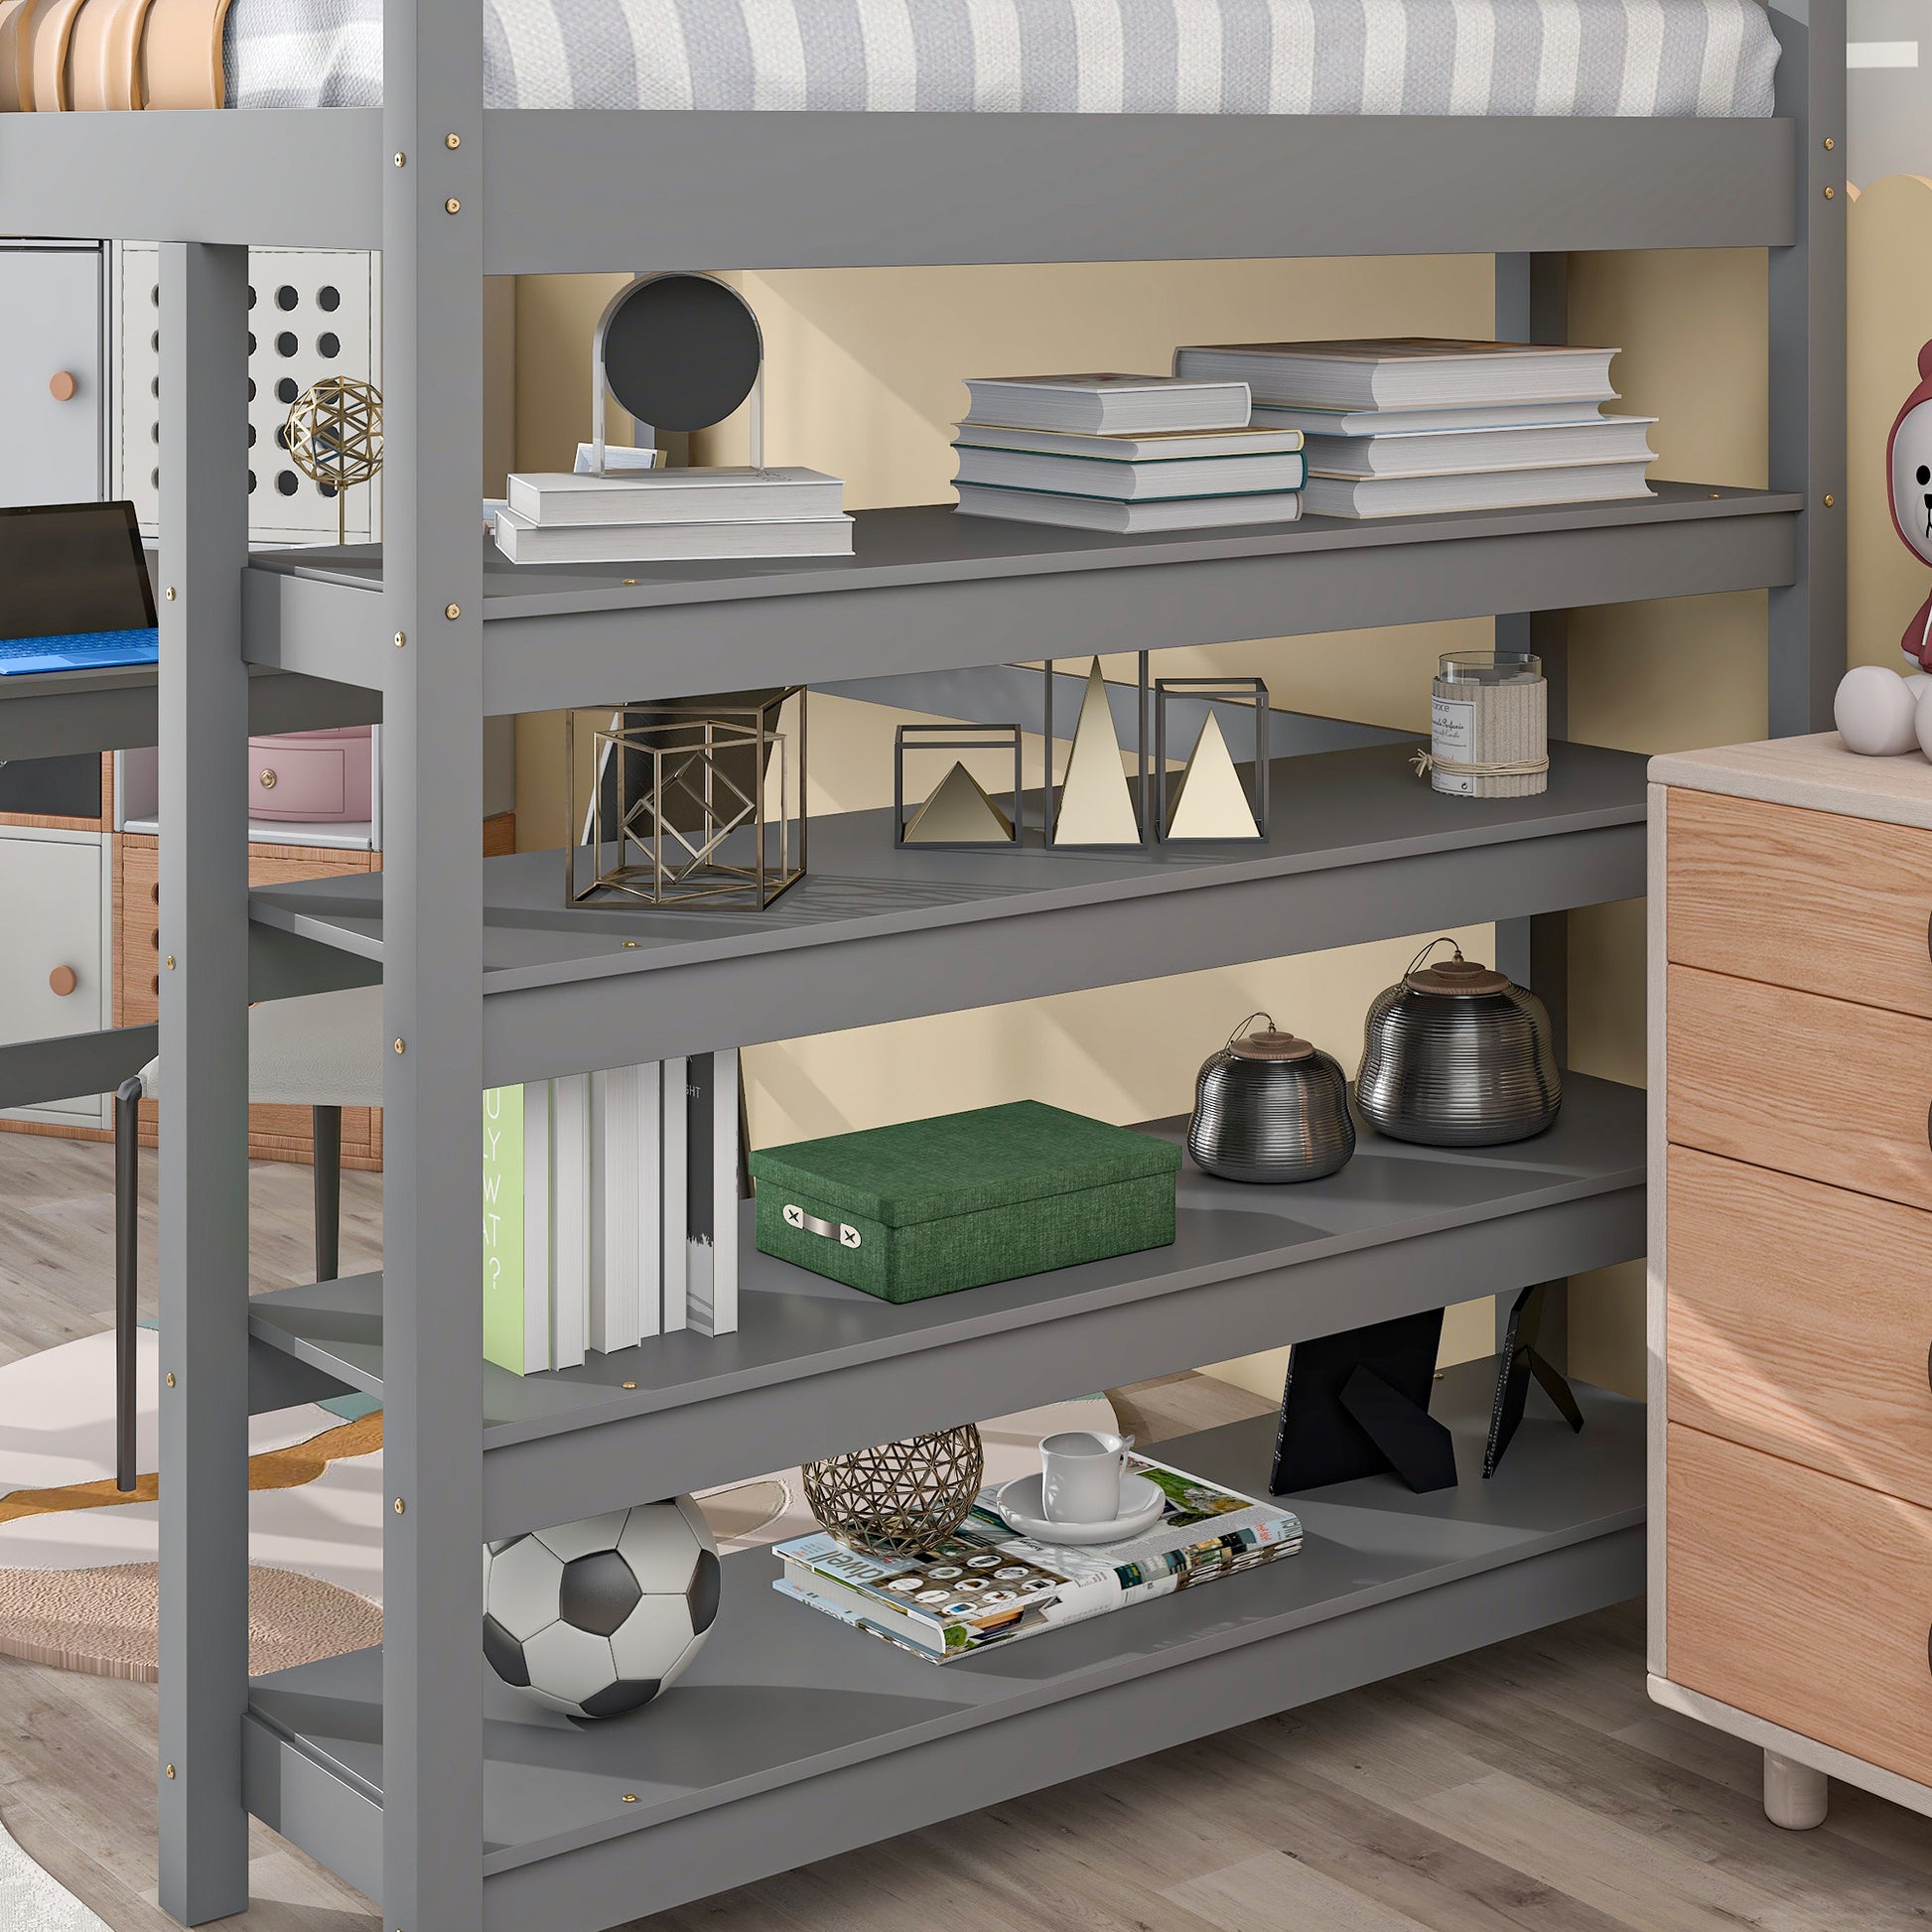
(1457, 1055)
(1268, 1106)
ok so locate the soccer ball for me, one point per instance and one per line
(594, 1619)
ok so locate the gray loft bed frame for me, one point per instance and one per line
(537, 192)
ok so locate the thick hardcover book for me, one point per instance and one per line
(566, 499)
(987, 1584)
(1128, 519)
(570, 1216)
(627, 1256)
(1155, 446)
(516, 1227)
(711, 1193)
(1406, 372)
(673, 1141)
(1117, 481)
(525, 542)
(1467, 452)
(1493, 490)
(1109, 404)
(1423, 422)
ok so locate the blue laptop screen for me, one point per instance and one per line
(73, 589)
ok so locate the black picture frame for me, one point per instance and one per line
(1357, 1403)
(1520, 1361)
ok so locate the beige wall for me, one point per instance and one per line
(862, 380)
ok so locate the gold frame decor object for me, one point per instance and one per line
(705, 805)
(334, 436)
(900, 1498)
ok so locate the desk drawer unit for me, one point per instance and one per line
(1791, 1261)
(55, 973)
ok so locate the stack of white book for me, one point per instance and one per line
(1125, 454)
(634, 516)
(1406, 425)
(610, 1210)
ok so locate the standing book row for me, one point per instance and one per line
(610, 1210)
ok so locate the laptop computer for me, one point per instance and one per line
(74, 592)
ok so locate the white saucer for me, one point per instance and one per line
(1020, 1503)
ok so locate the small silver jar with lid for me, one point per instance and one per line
(1268, 1106)
(1457, 1055)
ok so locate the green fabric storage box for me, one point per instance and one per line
(934, 1205)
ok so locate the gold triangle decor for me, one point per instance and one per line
(1209, 801)
(1096, 808)
(959, 813)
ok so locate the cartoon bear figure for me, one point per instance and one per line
(1908, 461)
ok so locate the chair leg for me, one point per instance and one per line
(328, 1122)
(127, 1270)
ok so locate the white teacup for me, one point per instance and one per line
(1080, 1476)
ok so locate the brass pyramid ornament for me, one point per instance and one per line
(1209, 801)
(1096, 806)
(959, 812)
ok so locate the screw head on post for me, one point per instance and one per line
(452, 612)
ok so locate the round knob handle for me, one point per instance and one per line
(63, 979)
(61, 387)
(267, 779)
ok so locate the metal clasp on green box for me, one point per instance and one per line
(932, 1207)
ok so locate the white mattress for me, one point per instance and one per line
(1575, 58)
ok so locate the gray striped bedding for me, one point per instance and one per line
(1578, 57)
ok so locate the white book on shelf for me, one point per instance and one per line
(570, 1240)
(538, 1279)
(712, 1225)
(559, 498)
(626, 1256)
(674, 1102)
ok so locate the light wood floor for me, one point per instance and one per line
(1531, 1787)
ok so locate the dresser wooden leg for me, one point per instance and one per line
(1795, 1796)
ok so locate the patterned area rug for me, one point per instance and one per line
(31, 1901)
(103, 1621)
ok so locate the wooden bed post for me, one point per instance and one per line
(203, 1155)
(432, 781)
(1807, 322)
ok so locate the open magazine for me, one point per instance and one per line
(986, 1585)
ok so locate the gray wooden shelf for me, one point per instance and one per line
(793, 1737)
(45, 712)
(929, 590)
(850, 189)
(1361, 848)
(816, 1368)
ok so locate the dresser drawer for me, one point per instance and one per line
(1835, 1092)
(1800, 1598)
(319, 776)
(1809, 899)
(1799, 1320)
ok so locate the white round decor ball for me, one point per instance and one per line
(1923, 715)
(1875, 713)
(1915, 683)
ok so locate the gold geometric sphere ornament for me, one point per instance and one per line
(335, 437)
(900, 1498)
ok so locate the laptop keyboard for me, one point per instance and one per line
(78, 650)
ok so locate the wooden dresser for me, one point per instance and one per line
(1791, 1261)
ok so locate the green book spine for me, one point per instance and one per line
(505, 1327)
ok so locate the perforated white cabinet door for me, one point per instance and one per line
(51, 900)
(311, 314)
(51, 328)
